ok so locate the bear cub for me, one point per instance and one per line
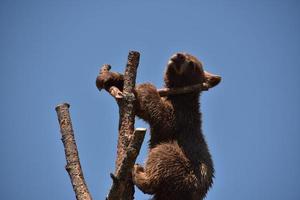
(179, 165)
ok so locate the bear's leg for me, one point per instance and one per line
(140, 179)
(150, 106)
(171, 172)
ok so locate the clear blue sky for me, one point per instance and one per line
(51, 52)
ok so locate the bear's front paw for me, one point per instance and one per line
(108, 79)
(140, 180)
(136, 173)
(137, 169)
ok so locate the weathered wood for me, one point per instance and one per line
(123, 188)
(73, 166)
(182, 90)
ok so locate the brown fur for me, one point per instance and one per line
(179, 165)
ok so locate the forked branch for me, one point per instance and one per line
(129, 142)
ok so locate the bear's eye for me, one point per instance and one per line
(191, 64)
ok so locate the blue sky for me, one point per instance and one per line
(51, 52)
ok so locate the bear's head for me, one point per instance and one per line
(184, 69)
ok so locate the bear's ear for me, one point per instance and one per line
(211, 80)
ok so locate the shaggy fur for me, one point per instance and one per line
(179, 165)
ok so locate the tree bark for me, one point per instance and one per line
(182, 90)
(73, 166)
(128, 144)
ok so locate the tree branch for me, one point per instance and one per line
(73, 166)
(122, 187)
(182, 90)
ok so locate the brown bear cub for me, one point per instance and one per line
(179, 165)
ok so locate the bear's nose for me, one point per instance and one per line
(178, 58)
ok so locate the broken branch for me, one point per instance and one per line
(127, 163)
(183, 90)
(73, 166)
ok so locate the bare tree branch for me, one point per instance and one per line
(182, 90)
(73, 166)
(123, 187)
